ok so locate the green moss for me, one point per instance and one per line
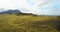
(27, 23)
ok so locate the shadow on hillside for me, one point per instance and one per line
(58, 26)
(46, 24)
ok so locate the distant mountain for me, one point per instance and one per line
(11, 12)
(17, 12)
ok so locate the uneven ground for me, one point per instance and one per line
(29, 23)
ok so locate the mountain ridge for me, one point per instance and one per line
(11, 12)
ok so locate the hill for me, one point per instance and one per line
(11, 12)
(29, 23)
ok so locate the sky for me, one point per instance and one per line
(39, 7)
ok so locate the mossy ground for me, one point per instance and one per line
(28, 23)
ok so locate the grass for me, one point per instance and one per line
(28, 23)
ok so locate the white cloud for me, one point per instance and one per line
(7, 4)
(45, 7)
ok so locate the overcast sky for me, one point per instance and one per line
(41, 7)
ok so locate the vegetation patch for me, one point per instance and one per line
(29, 23)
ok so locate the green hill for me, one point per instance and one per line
(29, 23)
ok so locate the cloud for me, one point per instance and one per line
(6, 4)
(40, 7)
(47, 7)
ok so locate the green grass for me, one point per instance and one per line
(28, 23)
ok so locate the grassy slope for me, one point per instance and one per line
(28, 23)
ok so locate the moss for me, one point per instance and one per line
(28, 23)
